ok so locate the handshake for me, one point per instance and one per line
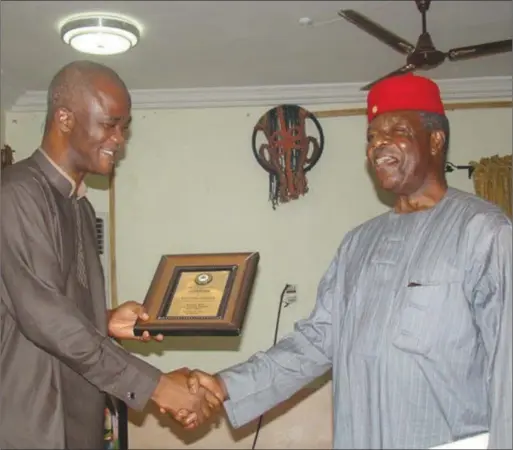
(191, 397)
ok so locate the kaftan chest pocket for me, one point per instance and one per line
(427, 307)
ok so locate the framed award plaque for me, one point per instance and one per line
(199, 294)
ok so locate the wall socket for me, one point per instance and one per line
(290, 295)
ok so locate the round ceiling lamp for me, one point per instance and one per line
(100, 34)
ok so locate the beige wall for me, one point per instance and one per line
(190, 184)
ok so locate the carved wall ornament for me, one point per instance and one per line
(287, 142)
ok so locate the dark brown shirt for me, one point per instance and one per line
(56, 360)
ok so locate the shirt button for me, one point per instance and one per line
(130, 395)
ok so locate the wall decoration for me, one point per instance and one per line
(7, 156)
(287, 142)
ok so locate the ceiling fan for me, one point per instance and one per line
(424, 55)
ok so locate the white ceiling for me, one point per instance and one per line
(191, 44)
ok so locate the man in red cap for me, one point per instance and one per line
(414, 313)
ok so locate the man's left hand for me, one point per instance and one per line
(122, 321)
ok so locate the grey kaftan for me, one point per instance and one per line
(414, 316)
(56, 361)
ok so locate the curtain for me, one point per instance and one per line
(492, 180)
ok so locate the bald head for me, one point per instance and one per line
(88, 118)
(74, 81)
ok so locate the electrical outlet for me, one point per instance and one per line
(290, 294)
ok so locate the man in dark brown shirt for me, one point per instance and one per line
(57, 355)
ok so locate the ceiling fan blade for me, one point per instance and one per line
(475, 51)
(401, 71)
(385, 36)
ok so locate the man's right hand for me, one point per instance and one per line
(173, 396)
(198, 379)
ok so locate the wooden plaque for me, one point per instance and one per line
(199, 294)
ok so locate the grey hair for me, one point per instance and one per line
(436, 122)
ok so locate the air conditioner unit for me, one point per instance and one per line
(102, 240)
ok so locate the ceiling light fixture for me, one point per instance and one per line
(100, 34)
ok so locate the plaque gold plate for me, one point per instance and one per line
(199, 294)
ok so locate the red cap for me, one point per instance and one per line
(403, 93)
